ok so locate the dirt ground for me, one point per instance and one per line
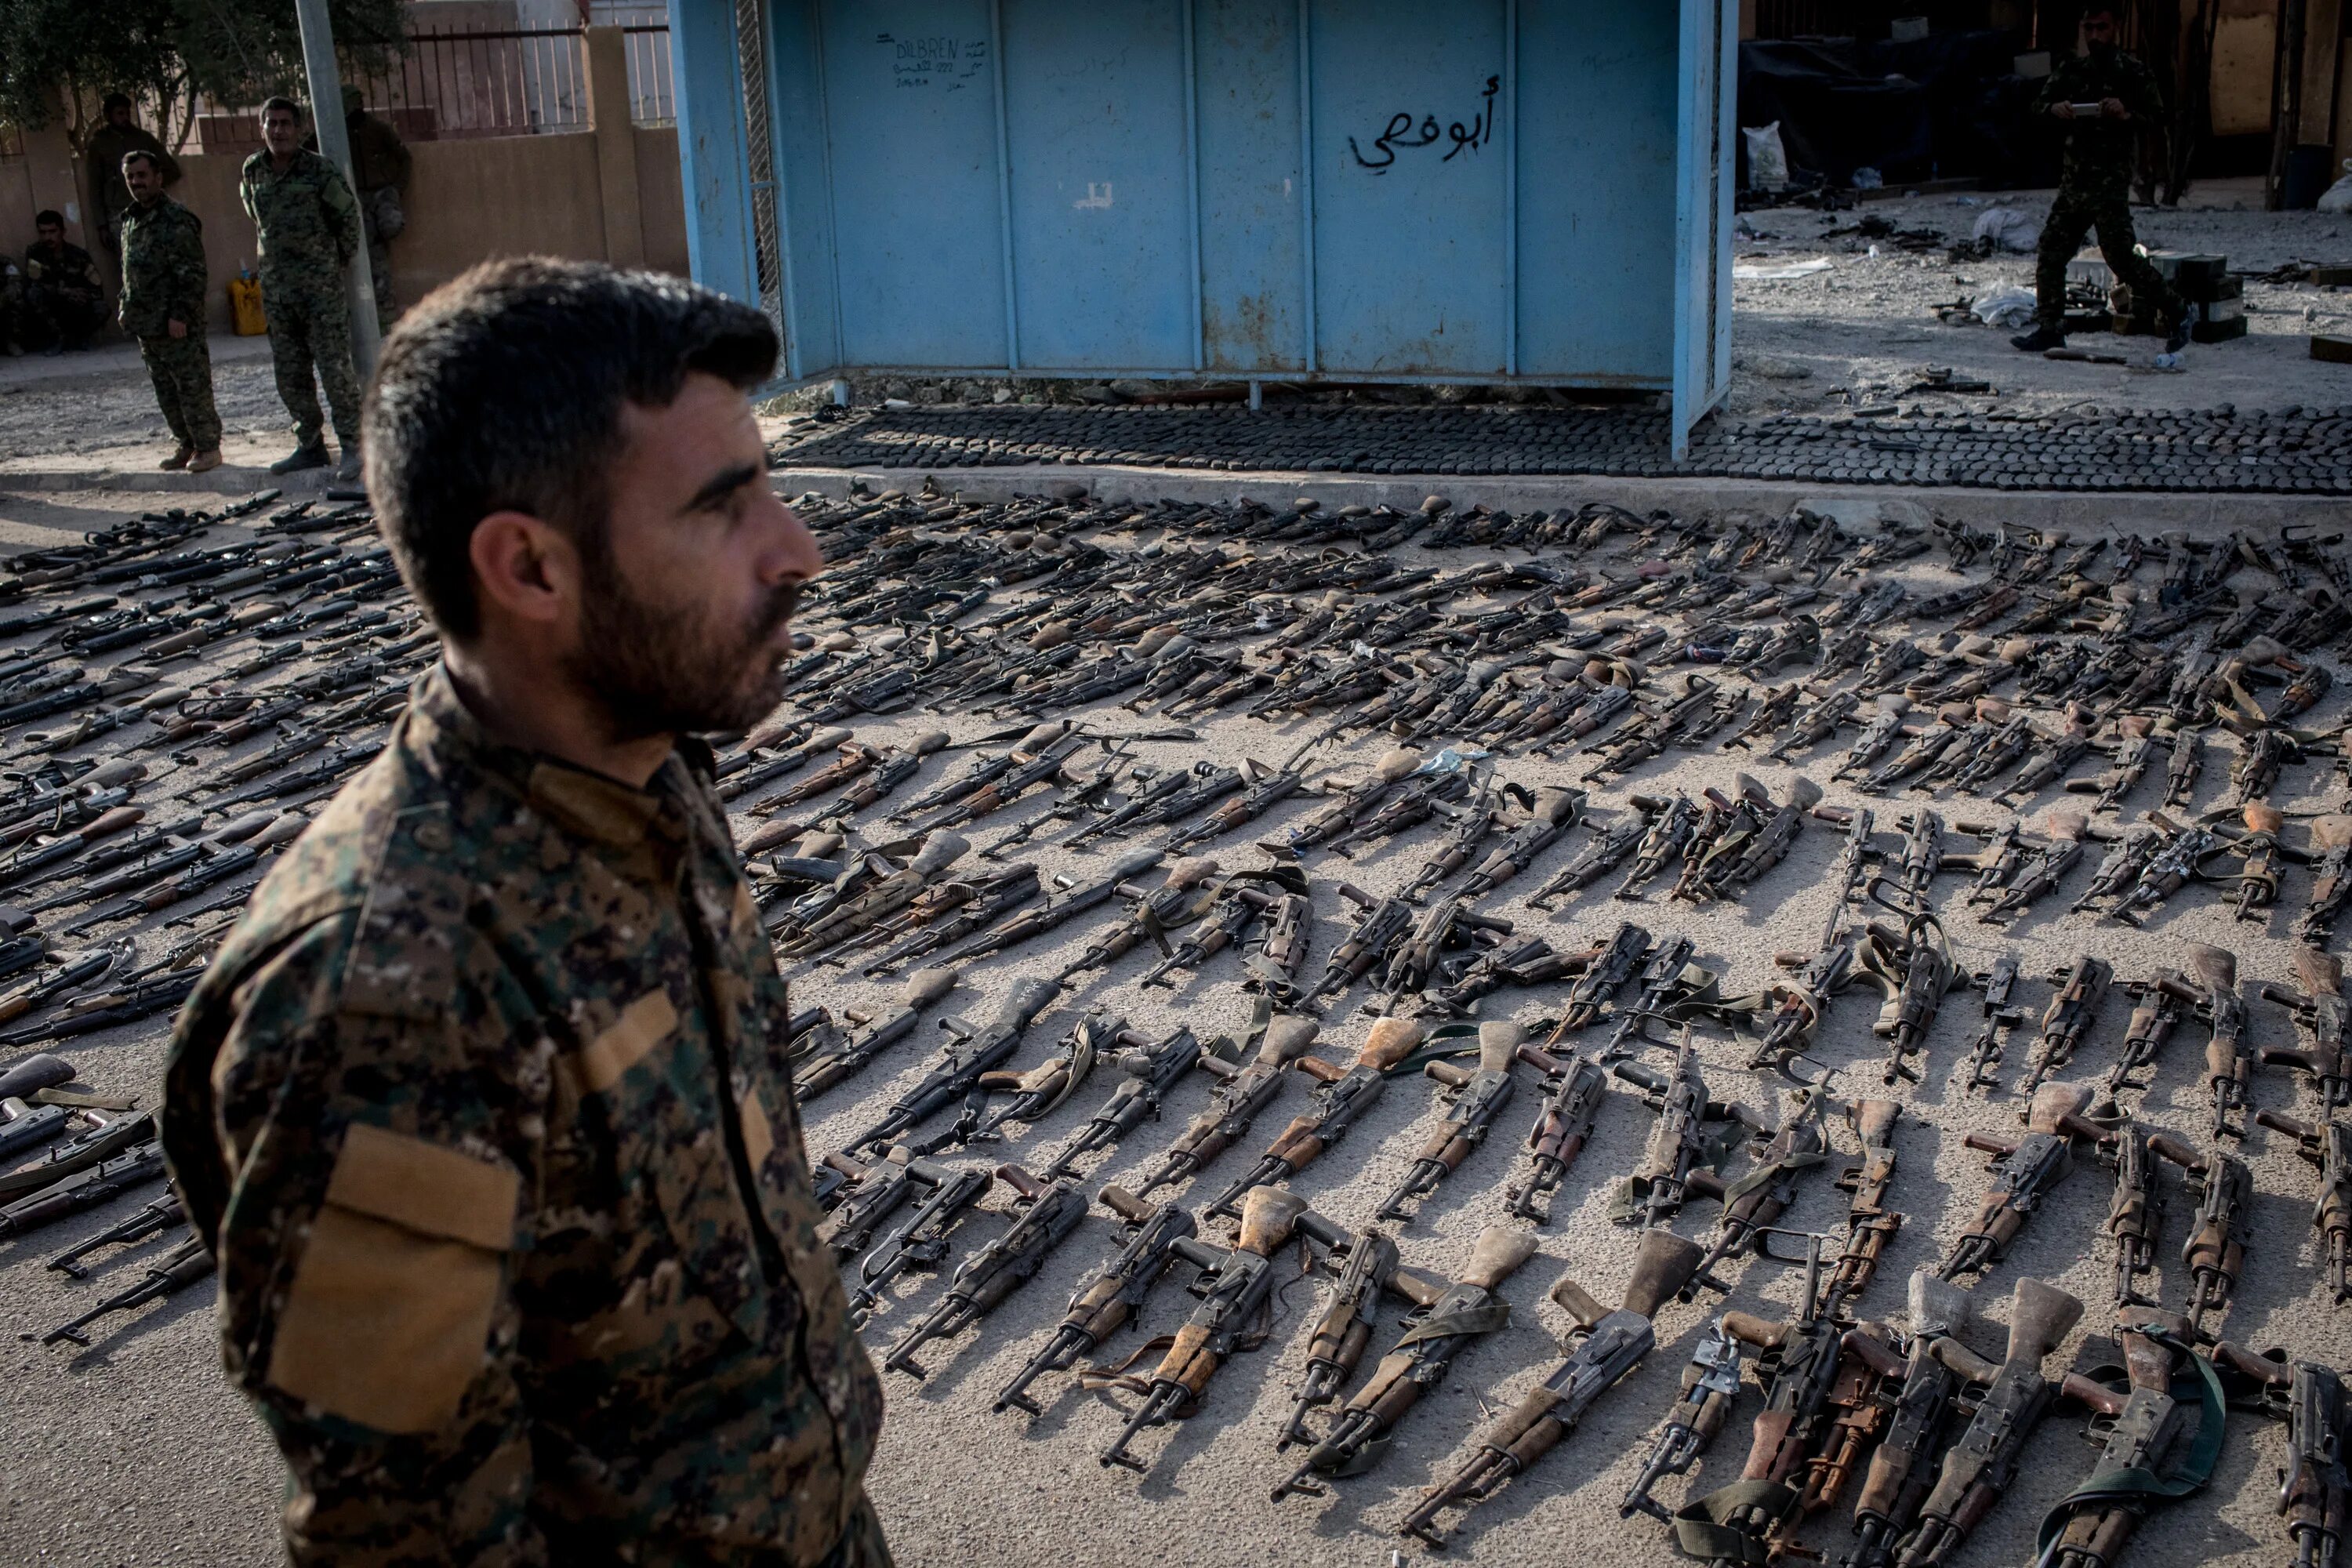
(135, 1452)
(1866, 331)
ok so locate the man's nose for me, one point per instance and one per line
(793, 555)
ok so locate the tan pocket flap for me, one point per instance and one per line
(426, 1187)
(643, 1024)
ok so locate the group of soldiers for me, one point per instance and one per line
(308, 223)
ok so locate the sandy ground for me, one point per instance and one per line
(135, 1452)
(97, 409)
(1866, 331)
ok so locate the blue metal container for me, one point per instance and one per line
(1492, 191)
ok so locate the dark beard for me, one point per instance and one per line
(660, 672)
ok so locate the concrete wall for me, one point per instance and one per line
(467, 200)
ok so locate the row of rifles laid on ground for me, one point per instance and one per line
(1453, 689)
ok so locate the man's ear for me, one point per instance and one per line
(524, 566)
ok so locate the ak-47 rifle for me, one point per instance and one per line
(1668, 979)
(1346, 1093)
(1418, 962)
(1235, 1289)
(1446, 1321)
(877, 902)
(1264, 790)
(1916, 967)
(1055, 909)
(946, 912)
(150, 1219)
(2160, 1003)
(1371, 1268)
(1040, 1090)
(828, 1067)
(1605, 969)
(2228, 1061)
(1473, 822)
(976, 1051)
(1764, 1192)
(1870, 1225)
(1795, 1005)
(1711, 1385)
(1043, 1215)
(1664, 842)
(2039, 871)
(1982, 1061)
(1801, 1364)
(1110, 1297)
(2081, 985)
(922, 1241)
(2327, 1145)
(870, 1191)
(184, 1266)
(1533, 962)
(1239, 902)
(1186, 894)
(2331, 878)
(1608, 848)
(1384, 925)
(1546, 819)
(2135, 1213)
(1350, 804)
(2025, 1171)
(2215, 1252)
(1727, 875)
(1981, 1466)
(1574, 1089)
(2314, 1488)
(1149, 1070)
(2167, 1398)
(1925, 1410)
(1603, 1348)
(1233, 1104)
(2316, 998)
(2133, 750)
(2122, 865)
(1694, 1133)
(1479, 1096)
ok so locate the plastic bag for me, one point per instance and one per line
(1768, 161)
(2337, 197)
(2008, 229)
(2007, 308)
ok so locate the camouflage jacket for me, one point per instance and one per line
(67, 269)
(485, 1110)
(162, 268)
(307, 219)
(2100, 153)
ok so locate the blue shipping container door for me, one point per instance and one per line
(1386, 190)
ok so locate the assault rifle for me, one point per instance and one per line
(2331, 880)
(923, 990)
(1982, 1062)
(1916, 968)
(1550, 815)
(1383, 926)
(1235, 1289)
(1040, 1091)
(1186, 894)
(1666, 840)
(2317, 999)
(2081, 985)
(1480, 1096)
(1043, 1217)
(2024, 1170)
(1605, 969)
(1150, 1070)
(1764, 1192)
(1694, 1133)
(1056, 909)
(1668, 980)
(1982, 1466)
(1608, 848)
(2039, 873)
(2228, 1061)
(184, 1266)
(1603, 1348)
(2328, 1146)
(2166, 1395)
(1241, 1093)
(1346, 1093)
(1574, 1091)
(1925, 1409)
(923, 1240)
(976, 1051)
(2313, 1486)
(1447, 1319)
(1111, 1296)
(1710, 1384)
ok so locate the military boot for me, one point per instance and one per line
(206, 461)
(2039, 338)
(310, 455)
(179, 458)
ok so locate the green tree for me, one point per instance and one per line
(59, 58)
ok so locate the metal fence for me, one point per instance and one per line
(452, 85)
(1808, 18)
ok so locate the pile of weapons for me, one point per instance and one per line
(1083, 636)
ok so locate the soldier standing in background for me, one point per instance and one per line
(163, 307)
(111, 142)
(380, 165)
(64, 299)
(307, 222)
(2101, 96)
(11, 305)
(484, 1107)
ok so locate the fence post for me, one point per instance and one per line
(616, 146)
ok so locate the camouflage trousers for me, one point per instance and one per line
(182, 370)
(384, 218)
(310, 329)
(861, 1546)
(2073, 215)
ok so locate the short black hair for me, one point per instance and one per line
(2100, 8)
(503, 391)
(114, 100)
(141, 155)
(270, 106)
(49, 217)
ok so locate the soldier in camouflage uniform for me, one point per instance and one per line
(163, 307)
(2095, 181)
(484, 1106)
(381, 162)
(308, 224)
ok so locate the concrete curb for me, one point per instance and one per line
(2090, 511)
(228, 479)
